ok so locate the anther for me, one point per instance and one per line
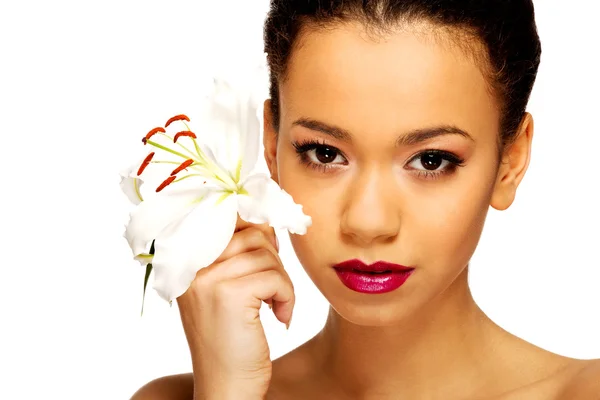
(179, 117)
(184, 133)
(183, 166)
(152, 133)
(166, 183)
(145, 163)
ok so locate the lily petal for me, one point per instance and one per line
(257, 92)
(231, 118)
(131, 183)
(194, 242)
(267, 202)
(151, 216)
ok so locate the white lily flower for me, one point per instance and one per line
(201, 185)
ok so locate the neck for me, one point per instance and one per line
(443, 349)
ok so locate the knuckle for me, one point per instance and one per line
(264, 253)
(273, 275)
(202, 283)
(280, 278)
(254, 233)
(257, 237)
(246, 261)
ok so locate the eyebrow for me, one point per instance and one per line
(408, 139)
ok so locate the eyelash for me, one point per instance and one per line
(303, 147)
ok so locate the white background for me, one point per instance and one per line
(82, 82)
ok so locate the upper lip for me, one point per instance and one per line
(379, 266)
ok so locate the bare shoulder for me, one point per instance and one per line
(288, 381)
(585, 383)
(181, 387)
(172, 387)
(297, 374)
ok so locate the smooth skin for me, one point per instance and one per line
(370, 198)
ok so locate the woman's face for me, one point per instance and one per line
(353, 149)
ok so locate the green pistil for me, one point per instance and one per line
(160, 146)
(188, 176)
(180, 145)
(200, 154)
(166, 162)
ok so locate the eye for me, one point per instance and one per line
(324, 155)
(430, 161)
(434, 163)
(319, 155)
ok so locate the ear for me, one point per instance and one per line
(514, 163)
(270, 141)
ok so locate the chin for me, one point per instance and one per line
(371, 315)
(379, 310)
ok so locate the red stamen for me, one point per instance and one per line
(166, 183)
(183, 166)
(177, 118)
(145, 163)
(152, 133)
(184, 133)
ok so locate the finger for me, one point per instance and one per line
(268, 230)
(241, 265)
(265, 285)
(269, 303)
(246, 240)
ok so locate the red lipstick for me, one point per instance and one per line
(379, 277)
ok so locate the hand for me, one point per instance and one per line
(220, 314)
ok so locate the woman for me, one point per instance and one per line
(396, 124)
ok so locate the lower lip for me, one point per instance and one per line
(364, 282)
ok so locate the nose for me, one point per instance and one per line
(371, 210)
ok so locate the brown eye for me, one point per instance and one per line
(325, 155)
(434, 161)
(431, 161)
(320, 155)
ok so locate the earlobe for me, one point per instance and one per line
(514, 164)
(270, 141)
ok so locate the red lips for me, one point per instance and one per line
(379, 277)
(379, 266)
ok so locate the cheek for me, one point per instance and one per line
(307, 187)
(319, 199)
(450, 223)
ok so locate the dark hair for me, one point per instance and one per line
(506, 28)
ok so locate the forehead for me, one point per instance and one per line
(406, 80)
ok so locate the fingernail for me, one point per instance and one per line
(270, 305)
(287, 326)
(277, 242)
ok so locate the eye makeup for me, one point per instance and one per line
(427, 164)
